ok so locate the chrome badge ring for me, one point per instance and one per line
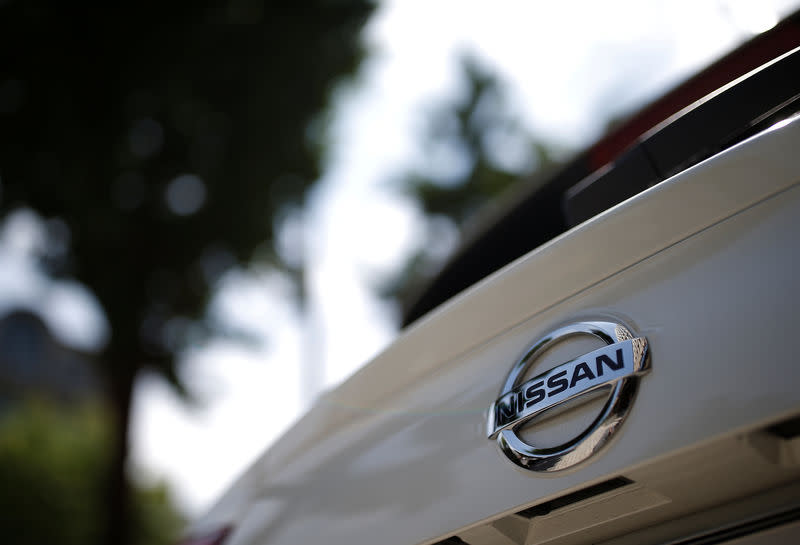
(615, 367)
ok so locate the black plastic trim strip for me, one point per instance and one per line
(454, 540)
(740, 530)
(786, 429)
(569, 499)
(701, 131)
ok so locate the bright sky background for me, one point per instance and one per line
(569, 65)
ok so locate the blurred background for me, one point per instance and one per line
(209, 215)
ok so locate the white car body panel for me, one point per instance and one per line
(705, 265)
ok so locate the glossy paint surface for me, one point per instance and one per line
(704, 265)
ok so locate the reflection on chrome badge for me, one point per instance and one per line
(615, 367)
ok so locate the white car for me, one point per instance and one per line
(610, 362)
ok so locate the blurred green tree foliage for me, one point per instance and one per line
(476, 150)
(161, 141)
(51, 462)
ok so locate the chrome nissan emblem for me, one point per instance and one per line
(615, 367)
